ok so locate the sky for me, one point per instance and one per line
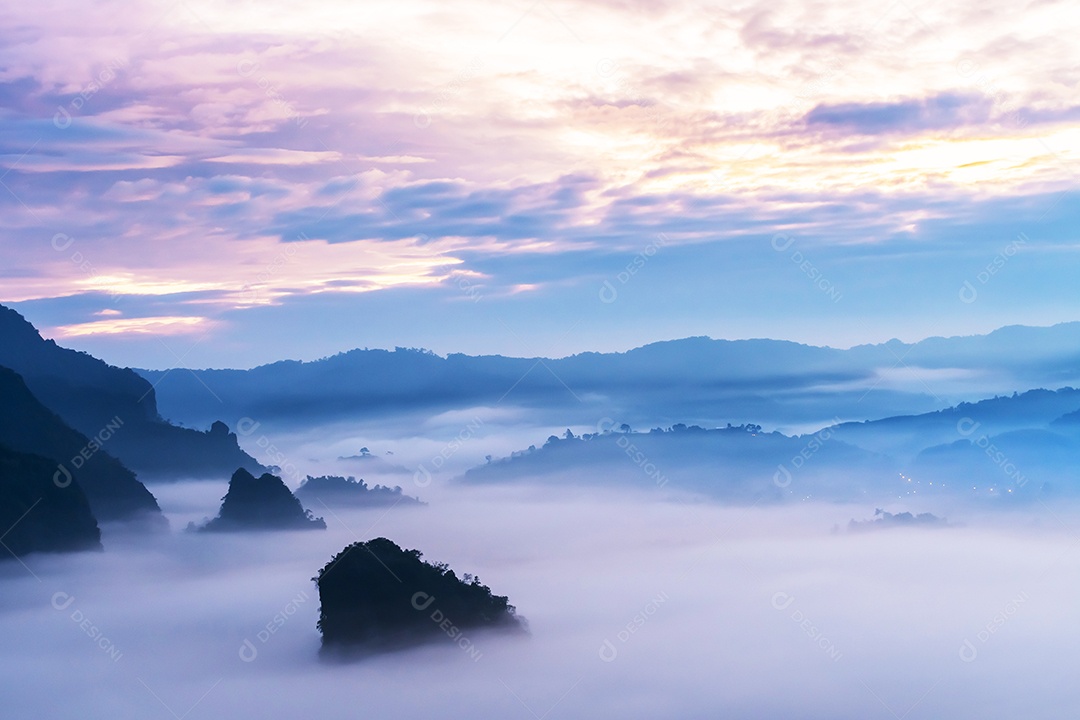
(206, 184)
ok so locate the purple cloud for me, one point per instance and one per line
(912, 116)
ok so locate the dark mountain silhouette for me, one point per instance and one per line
(735, 463)
(260, 503)
(27, 426)
(375, 596)
(38, 514)
(698, 379)
(90, 395)
(334, 490)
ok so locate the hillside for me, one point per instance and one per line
(40, 514)
(91, 395)
(27, 426)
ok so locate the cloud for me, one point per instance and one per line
(913, 116)
(276, 156)
(632, 624)
(136, 326)
(531, 147)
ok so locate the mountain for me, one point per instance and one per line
(695, 373)
(738, 464)
(40, 514)
(337, 491)
(94, 397)
(1068, 420)
(1023, 446)
(908, 435)
(373, 465)
(1012, 449)
(1037, 355)
(698, 380)
(885, 520)
(374, 595)
(27, 426)
(1023, 464)
(261, 503)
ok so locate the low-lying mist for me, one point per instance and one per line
(639, 606)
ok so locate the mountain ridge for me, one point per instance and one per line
(694, 379)
(89, 394)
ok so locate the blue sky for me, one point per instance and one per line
(213, 186)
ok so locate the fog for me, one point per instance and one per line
(639, 605)
(446, 444)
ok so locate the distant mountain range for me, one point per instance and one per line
(96, 398)
(1023, 447)
(695, 380)
(712, 396)
(905, 437)
(739, 464)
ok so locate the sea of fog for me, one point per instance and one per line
(639, 605)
